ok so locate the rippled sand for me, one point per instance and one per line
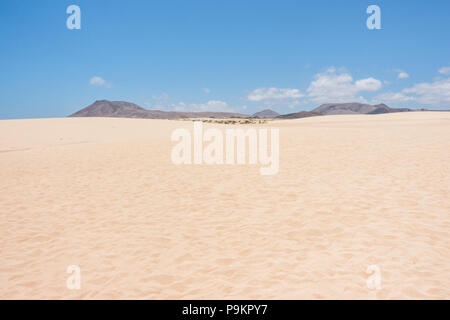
(103, 194)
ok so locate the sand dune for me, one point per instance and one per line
(102, 193)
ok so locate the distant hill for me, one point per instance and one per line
(105, 108)
(267, 113)
(122, 109)
(355, 108)
(298, 115)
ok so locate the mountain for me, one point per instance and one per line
(267, 113)
(123, 109)
(298, 115)
(355, 108)
(105, 108)
(382, 108)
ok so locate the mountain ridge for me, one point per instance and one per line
(355, 108)
(124, 109)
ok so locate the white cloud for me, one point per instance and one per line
(158, 102)
(211, 105)
(444, 70)
(293, 104)
(369, 84)
(99, 82)
(402, 74)
(335, 86)
(432, 94)
(206, 90)
(392, 97)
(436, 93)
(161, 98)
(161, 102)
(274, 94)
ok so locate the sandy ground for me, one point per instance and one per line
(103, 194)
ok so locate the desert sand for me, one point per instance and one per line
(102, 193)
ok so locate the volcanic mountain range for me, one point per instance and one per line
(123, 109)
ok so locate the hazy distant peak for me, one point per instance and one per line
(266, 113)
(355, 108)
(299, 115)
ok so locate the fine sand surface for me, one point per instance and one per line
(352, 191)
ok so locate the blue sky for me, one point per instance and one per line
(229, 55)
